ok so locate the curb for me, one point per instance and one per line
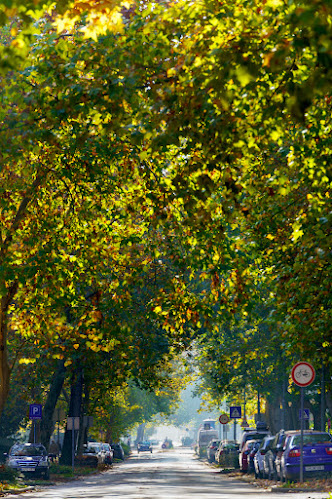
(282, 490)
(17, 491)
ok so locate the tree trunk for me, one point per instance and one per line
(140, 432)
(47, 423)
(5, 369)
(74, 411)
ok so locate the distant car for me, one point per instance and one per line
(260, 456)
(244, 455)
(98, 448)
(30, 459)
(317, 454)
(257, 433)
(108, 451)
(144, 447)
(211, 450)
(118, 452)
(227, 454)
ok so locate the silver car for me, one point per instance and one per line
(30, 459)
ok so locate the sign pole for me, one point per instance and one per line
(303, 375)
(302, 425)
(73, 446)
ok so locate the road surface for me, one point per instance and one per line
(170, 474)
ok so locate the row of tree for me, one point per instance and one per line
(165, 184)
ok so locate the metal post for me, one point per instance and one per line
(34, 431)
(258, 405)
(283, 412)
(73, 446)
(322, 402)
(302, 421)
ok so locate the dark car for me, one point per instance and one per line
(261, 456)
(30, 459)
(317, 454)
(118, 452)
(144, 447)
(251, 456)
(273, 455)
(211, 450)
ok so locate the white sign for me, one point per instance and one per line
(303, 374)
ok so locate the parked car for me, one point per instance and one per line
(260, 456)
(89, 457)
(144, 447)
(108, 451)
(211, 450)
(118, 452)
(227, 454)
(244, 455)
(97, 447)
(317, 454)
(30, 459)
(251, 456)
(273, 455)
(257, 433)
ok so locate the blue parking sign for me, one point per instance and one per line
(35, 411)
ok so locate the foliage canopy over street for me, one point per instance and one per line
(165, 184)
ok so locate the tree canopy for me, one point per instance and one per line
(165, 181)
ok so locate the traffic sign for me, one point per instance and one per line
(223, 419)
(35, 411)
(306, 414)
(73, 423)
(235, 412)
(244, 424)
(303, 374)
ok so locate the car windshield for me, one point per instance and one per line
(312, 439)
(28, 450)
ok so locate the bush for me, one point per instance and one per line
(8, 475)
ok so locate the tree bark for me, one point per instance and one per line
(75, 407)
(47, 423)
(5, 369)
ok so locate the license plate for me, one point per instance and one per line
(314, 468)
(28, 469)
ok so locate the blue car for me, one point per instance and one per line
(144, 447)
(317, 454)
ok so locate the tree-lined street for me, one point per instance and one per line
(164, 475)
(165, 212)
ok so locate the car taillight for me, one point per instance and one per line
(328, 450)
(295, 453)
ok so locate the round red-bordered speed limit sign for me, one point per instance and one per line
(223, 419)
(303, 374)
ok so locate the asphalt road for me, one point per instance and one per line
(171, 474)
